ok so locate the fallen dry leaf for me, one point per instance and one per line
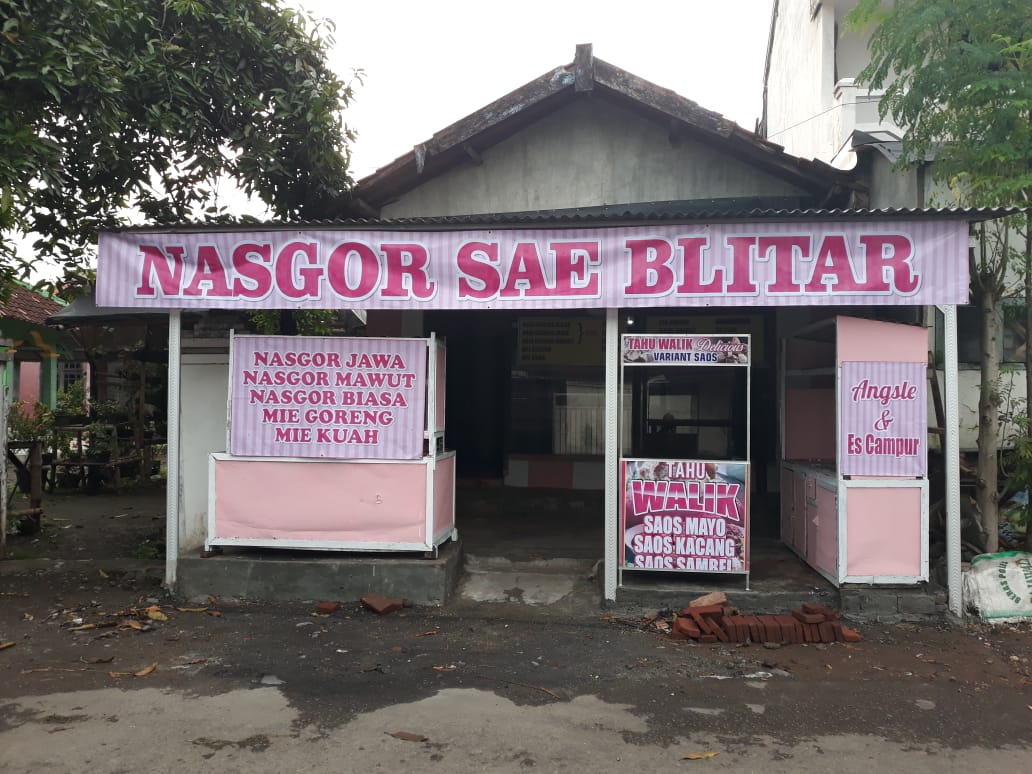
(146, 670)
(102, 574)
(407, 736)
(155, 614)
(445, 668)
(192, 609)
(699, 756)
(83, 628)
(215, 613)
(132, 623)
(8, 644)
(430, 633)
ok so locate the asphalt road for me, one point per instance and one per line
(105, 674)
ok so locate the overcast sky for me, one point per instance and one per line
(428, 64)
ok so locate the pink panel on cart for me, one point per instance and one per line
(883, 532)
(320, 501)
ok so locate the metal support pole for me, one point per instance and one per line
(172, 486)
(612, 458)
(951, 459)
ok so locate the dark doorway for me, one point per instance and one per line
(477, 391)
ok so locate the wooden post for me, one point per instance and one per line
(5, 397)
(36, 481)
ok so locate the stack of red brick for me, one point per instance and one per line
(719, 623)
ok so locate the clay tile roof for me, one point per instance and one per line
(464, 140)
(28, 306)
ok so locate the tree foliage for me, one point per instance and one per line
(957, 76)
(117, 111)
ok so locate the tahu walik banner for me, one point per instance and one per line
(792, 263)
(322, 397)
(685, 516)
(884, 419)
(685, 350)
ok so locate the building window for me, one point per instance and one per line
(69, 374)
(1011, 347)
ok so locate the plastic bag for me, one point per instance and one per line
(999, 586)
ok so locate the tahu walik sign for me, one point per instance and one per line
(740, 264)
(685, 515)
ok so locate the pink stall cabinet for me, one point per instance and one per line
(854, 481)
(334, 444)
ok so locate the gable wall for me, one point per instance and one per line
(589, 153)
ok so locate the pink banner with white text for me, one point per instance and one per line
(884, 419)
(874, 262)
(685, 515)
(341, 398)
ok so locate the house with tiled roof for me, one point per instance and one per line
(42, 360)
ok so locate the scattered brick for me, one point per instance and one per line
(707, 626)
(686, 627)
(815, 607)
(700, 610)
(718, 622)
(850, 635)
(786, 629)
(741, 627)
(381, 604)
(707, 600)
(808, 618)
(325, 608)
(738, 629)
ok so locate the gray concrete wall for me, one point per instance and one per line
(589, 153)
(891, 187)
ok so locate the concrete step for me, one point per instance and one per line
(527, 582)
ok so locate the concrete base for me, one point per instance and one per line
(892, 604)
(295, 575)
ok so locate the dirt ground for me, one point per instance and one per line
(100, 668)
(83, 599)
(78, 525)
